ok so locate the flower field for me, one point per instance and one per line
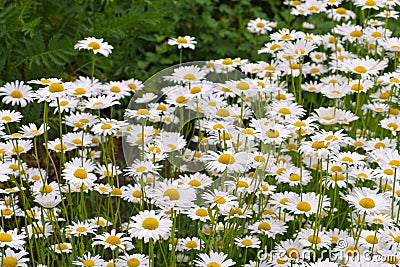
(287, 158)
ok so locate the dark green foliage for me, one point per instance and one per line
(37, 37)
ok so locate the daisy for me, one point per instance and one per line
(367, 201)
(56, 146)
(248, 242)
(285, 109)
(368, 4)
(81, 228)
(220, 199)
(170, 195)
(363, 66)
(198, 213)
(306, 204)
(11, 258)
(230, 161)
(134, 85)
(260, 26)
(19, 147)
(132, 193)
(190, 243)
(268, 227)
(183, 42)
(107, 127)
(291, 250)
(213, 259)
(53, 91)
(308, 238)
(48, 201)
(116, 89)
(39, 230)
(148, 224)
(94, 44)
(63, 104)
(17, 93)
(186, 74)
(112, 240)
(286, 35)
(137, 260)
(138, 168)
(340, 13)
(31, 130)
(61, 248)
(78, 171)
(100, 102)
(7, 116)
(80, 120)
(392, 124)
(89, 260)
(196, 180)
(12, 239)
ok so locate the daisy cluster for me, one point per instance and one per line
(287, 161)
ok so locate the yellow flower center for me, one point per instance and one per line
(181, 40)
(150, 223)
(318, 144)
(88, 263)
(260, 25)
(116, 191)
(133, 262)
(80, 173)
(56, 87)
(370, 3)
(81, 229)
(80, 91)
(395, 162)
(194, 183)
(285, 111)
(5, 237)
(6, 211)
(226, 159)
(94, 45)
(6, 118)
(18, 149)
(137, 193)
(294, 66)
(172, 193)
(243, 86)
(247, 242)
(264, 226)
(219, 200)
(106, 126)
(292, 253)
(115, 89)
(202, 212)
(260, 159)
(189, 76)
(394, 80)
(392, 259)
(13, 167)
(16, 94)
(181, 99)
(294, 177)
(367, 203)
(337, 177)
(223, 112)
(356, 33)
(388, 171)
(64, 103)
(371, 239)
(46, 189)
(213, 264)
(341, 11)
(9, 261)
(242, 184)
(113, 240)
(272, 133)
(357, 87)
(227, 61)
(313, 239)
(58, 147)
(304, 206)
(62, 246)
(360, 69)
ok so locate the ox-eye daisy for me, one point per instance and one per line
(214, 259)
(94, 44)
(112, 240)
(148, 224)
(16, 93)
